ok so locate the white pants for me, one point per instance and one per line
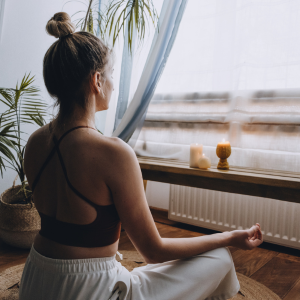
(210, 275)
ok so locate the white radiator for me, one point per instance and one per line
(280, 221)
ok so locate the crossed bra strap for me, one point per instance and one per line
(56, 149)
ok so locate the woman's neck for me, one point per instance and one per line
(79, 117)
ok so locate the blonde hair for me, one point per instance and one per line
(69, 63)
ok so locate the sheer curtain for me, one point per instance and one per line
(128, 70)
(233, 73)
(169, 21)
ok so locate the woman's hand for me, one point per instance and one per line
(247, 239)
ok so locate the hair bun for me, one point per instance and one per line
(60, 25)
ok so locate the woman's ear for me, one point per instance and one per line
(97, 82)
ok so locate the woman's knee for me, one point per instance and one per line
(221, 256)
(224, 255)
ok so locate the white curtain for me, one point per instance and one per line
(169, 22)
(136, 65)
(233, 73)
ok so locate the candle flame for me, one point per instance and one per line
(203, 154)
(223, 140)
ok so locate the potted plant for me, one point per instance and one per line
(19, 219)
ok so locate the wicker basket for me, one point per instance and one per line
(19, 223)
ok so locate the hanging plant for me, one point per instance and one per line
(111, 21)
(136, 13)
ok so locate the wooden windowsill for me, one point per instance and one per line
(279, 185)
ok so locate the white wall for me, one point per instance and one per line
(23, 45)
(158, 194)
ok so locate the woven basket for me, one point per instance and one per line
(19, 223)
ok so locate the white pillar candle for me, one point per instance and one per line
(204, 162)
(195, 154)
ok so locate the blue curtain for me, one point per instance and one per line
(133, 119)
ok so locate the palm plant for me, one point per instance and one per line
(112, 20)
(24, 107)
(135, 12)
(90, 17)
(5, 142)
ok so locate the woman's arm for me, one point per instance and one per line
(124, 179)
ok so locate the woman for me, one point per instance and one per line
(85, 184)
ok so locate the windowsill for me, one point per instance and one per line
(280, 185)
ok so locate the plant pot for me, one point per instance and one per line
(19, 223)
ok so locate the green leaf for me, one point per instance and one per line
(24, 106)
(112, 20)
(99, 131)
(6, 94)
(87, 15)
(90, 22)
(38, 119)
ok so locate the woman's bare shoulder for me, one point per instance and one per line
(37, 143)
(114, 151)
(113, 146)
(39, 136)
(107, 159)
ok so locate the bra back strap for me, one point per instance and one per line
(70, 130)
(52, 153)
(66, 176)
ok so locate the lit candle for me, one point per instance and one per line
(224, 143)
(223, 152)
(204, 162)
(195, 154)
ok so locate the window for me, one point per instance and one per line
(234, 73)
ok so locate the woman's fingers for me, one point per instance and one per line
(260, 235)
(253, 230)
(255, 243)
(248, 239)
(255, 236)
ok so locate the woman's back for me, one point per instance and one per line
(82, 151)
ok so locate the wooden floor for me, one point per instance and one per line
(278, 268)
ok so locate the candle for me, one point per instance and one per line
(204, 162)
(224, 143)
(223, 152)
(195, 154)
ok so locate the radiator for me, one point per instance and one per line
(279, 220)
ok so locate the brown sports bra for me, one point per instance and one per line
(103, 231)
